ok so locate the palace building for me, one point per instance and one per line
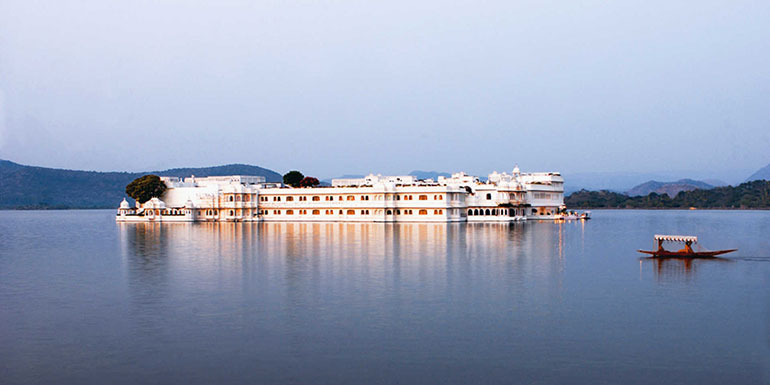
(375, 198)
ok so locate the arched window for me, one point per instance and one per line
(316, 198)
(470, 212)
(389, 212)
(232, 213)
(316, 212)
(238, 198)
(487, 212)
(423, 212)
(289, 212)
(351, 212)
(423, 197)
(489, 196)
(231, 198)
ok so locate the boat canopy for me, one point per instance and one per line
(676, 238)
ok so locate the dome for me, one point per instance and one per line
(189, 204)
(124, 204)
(516, 169)
(154, 203)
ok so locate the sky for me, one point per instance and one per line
(352, 87)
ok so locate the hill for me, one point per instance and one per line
(762, 173)
(669, 188)
(749, 195)
(29, 187)
(429, 174)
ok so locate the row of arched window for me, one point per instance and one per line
(350, 212)
(491, 212)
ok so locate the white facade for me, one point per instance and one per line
(374, 198)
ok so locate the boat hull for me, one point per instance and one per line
(684, 254)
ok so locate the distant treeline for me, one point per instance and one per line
(749, 195)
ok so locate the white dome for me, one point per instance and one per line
(189, 204)
(124, 204)
(154, 203)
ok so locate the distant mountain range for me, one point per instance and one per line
(29, 187)
(749, 195)
(429, 174)
(762, 173)
(668, 188)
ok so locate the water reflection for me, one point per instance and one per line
(305, 255)
(677, 269)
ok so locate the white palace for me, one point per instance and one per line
(460, 198)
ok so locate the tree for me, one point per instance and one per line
(292, 178)
(145, 188)
(309, 181)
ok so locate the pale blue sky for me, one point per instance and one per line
(335, 87)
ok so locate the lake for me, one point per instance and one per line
(86, 300)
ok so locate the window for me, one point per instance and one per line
(289, 212)
(398, 212)
(238, 198)
(389, 212)
(487, 212)
(470, 212)
(423, 212)
(489, 197)
(340, 210)
(289, 199)
(351, 212)
(423, 197)
(316, 212)
(351, 198)
(232, 213)
(398, 197)
(315, 198)
(230, 198)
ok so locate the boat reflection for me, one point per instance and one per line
(675, 268)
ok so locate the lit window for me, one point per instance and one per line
(316, 212)
(289, 212)
(351, 212)
(423, 212)
(423, 197)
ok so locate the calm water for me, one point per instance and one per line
(86, 300)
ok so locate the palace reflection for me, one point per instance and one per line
(306, 257)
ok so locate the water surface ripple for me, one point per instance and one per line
(86, 300)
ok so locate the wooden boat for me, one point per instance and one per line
(686, 252)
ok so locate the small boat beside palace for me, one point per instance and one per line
(686, 252)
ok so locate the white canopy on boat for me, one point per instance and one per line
(676, 238)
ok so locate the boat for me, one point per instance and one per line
(686, 252)
(585, 215)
